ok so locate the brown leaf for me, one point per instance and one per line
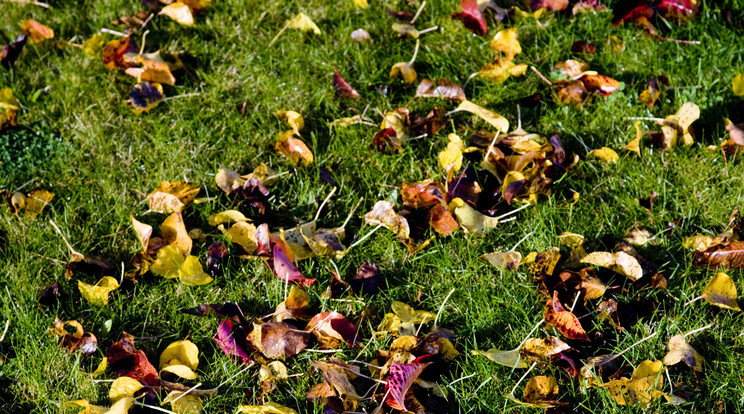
(423, 194)
(171, 197)
(36, 31)
(294, 149)
(729, 255)
(332, 329)
(441, 220)
(72, 337)
(279, 339)
(343, 89)
(440, 89)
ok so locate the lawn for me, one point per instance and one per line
(78, 137)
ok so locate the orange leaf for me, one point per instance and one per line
(566, 322)
(36, 31)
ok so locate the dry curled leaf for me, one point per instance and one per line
(721, 291)
(727, 255)
(171, 197)
(506, 43)
(619, 262)
(343, 89)
(383, 214)
(504, 260)
(566, 322)
(36, 31)
(680, 350)
(441, 88)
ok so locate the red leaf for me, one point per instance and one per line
(332, 328)
(400, 378)
(441, 220)
(422, 194)
(343, 89)
(286, 270)
(552, 5)
(471, 17)
(729, 255)
(126, 360)
(227, 343)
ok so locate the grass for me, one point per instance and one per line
(222, 115)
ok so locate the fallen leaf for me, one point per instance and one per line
(73, 337)
(441, 220)
(343, 89)
(399, 381)
(285, 269)
(422, 194)
(360, 35)
(679, 123)
(440, 89)
(540, 392)
(332, 329)
(635, 144)
(36, 31)
(36, 201)
(173, 231)
(736, 132)
(88, 407)
(337, 374)
(184, 404)
(303, 23)
(123, 387)
(294, 119)
(171, 197)
(504, 260)
(407, 314)
(9, 53)
(680, 350)
(506, 42)
(501, 71)
(619, 262)
(471, 220)
(183, 352)
(552, 5)
(228, 344)
(279, 339)
(605, 154)
(511, 358)
(405, 70)
(643, 387)
(294, 149)
(383, 214)
(601, 84)
(146, 96)
(152, 71)
(124, 359)
(180, 12)
(450, 159)
(366, 279)
(566, 322)
(120, 54)
(737, 84)
(9, 106)
(471, 17)
(727, 254)
(268, 408)
(721, 291)
(496, 120)
(98, 294)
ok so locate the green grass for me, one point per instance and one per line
(87, 146)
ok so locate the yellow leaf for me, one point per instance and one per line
(406, 72)
(88, 407)
(244, 235)
(294, 120)
(168, 262)
(361, 4)
(184, 404)
(304, 23)
(122, 406)
(268, 408)
(406, 30)
(635, 144)
(501, 71)
(179, 12)
(192, 274)
(98, 294)
(184, 351)
(180, 370)
(451, 157)
(511, 358)
(605, 154)
(721, 291)
(143, 231)
(407, 314)
(227, 216)
(93, 46)
(679, 123)
(348, 121)
(174, 232)
(228, 180)
(571, 240)
(506, 42)
(101, 368)
(153, 71)
(619, 262)
(36, 31)
(541, 391)
(294, 149)
(273, 371)
(498, 121)
(680, 350)
(471, 220)
(123, 387)
(36, 201)
(698, 242)
(171, 197)
(737, 84)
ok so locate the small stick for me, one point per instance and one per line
(534, 69)
(531, 332)
(490, 147)
(113, 32)
(415, 53)
(186, 392)
(427, 30)
(469, 79)
(671, 387)
(576, 299)
(365, 237)
(5, 331)
(328, 197)
(520, 242)
(144, 24)
(351, 213)
(185, 95)
(693, 300)
(418, 12)
(685, 335)
(523, 377)
(686, 42)
(645, 118)
(286, 26)
(64, 239)
(144, 39)
(462, 378)
(513, 211)
(441, 307)
(35, 3)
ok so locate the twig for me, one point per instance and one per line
(35, 3)
(62, 262)
(365, 237)
(113, 32)
(185, 95)
(145, 23)
(415, 53)
(513, 211)
(5, 331)
(441, 307)
(328, 197)
(576, 299)
(686, 42)
(684, 335)
(64, 239)
(693, 300)
(352, 212)
(462, 378)
(645, 118)
(428, 29)
(186, 392)
(490, 147)
(534, 69)
(469, 79)
(523, 377)
(152, 407)
(144, 39)
(286, 26)
(520, 241)
(418, 12)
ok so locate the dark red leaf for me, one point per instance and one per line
(441, 220)
(552, 5)
(430, 124)
(9, 53)
(386, 139)
(124, 359)
(399, 381)
(471, 17)
(332, 328)
(286, 270)
(678, 10)
(228, 344)
(343, 89)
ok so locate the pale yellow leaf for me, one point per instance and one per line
(192, 274)
(179, 12)
(737, 84)
(294, 120)
(506, 42)
(180, 370)
(184, 404)
(361, 3)
(504, 260)
(244, 235)
(184, 351)
(451, 157)
(619, 262)
(168, 262)
(88, 407)
(268, 408)
(227, 216)
(471, 220)
(605, 154)
(498, 121)
(174, 232)
(383, 214)
(680, 350)
(406, 72)
(122, 406)
(304, 23)
(721, 291)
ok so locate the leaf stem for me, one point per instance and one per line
(441, 307)
(684, 335)
(418, 12)
(534, 69)
(286, 26)
(415, 53)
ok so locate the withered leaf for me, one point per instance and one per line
(680, 350)
(366, 279)
(36, 31)
(172, 197)
(721, 291)
(343, 89)
(440, 89)
(120, 53)
(471, 17)
(124, 359)
(279, 339)
(9, 54)
(399, 381)
(73, 337)
(146, 96)
(566, 322)
(728, 255)
(332, 329)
